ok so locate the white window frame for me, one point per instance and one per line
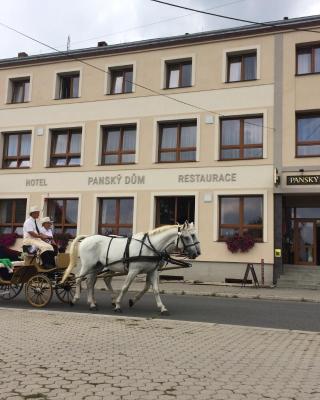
(174, 118)
(64, 196)
(236, 51)
(18, 130)
(115, 66)
(173, 59)
(241, 113)
(108, 195)
(48, 139)
(8, 88)
(153, 195)
(220, 193)
(102, 124)
(56, 82)
(18, 196)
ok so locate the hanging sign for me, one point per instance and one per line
(303, 180)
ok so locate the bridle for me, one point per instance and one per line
(185, 245)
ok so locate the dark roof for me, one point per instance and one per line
(246, 30)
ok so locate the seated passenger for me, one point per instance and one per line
(46, 230)
(33, 237)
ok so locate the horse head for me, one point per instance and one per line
(185, 243)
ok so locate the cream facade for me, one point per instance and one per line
(206, 101)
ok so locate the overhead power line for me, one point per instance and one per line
(75, 58)
(266, 24)
(106, 35)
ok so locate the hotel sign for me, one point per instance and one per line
(303, 180)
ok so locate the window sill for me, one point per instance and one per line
(63, 166)
(246, 80)
(116, 94)
(240, 159)
(66, 98)
(313, 156)
(175, 162)
(18, 102)
(8, 169)
(307, 74)
(112, 165)
(177, 87)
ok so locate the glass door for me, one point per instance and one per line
(305, 242)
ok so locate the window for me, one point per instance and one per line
(308, 135)
(12, 215)
(241, 215)
(116, 216)
(241, 138)
(20, 89)
(68, 85)
(121, 80)
(65, 147)
(118, 144)
(178, 74)
(242, 67)
(171, 209)
(308, 60)
(16, 150)
(64, 214)
(177, 141)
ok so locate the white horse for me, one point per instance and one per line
(108, 279)
(144, 254)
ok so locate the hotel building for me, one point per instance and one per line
(220, 128)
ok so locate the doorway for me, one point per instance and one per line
(305, 242)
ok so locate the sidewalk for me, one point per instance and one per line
(69, 356)
(216, 290)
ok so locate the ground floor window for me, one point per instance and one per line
(241, 215)
(173, 209)
(64, 214)
(115, 216)
(12, 215)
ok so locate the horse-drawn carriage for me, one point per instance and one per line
(38, 283)
(105, 257)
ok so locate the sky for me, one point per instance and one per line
(120, 21)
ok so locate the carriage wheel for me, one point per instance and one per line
(66, 291)
(39, 290)
(8, 292)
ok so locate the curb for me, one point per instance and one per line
(240, 296)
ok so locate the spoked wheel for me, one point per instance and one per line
(66, 291)
(39, 290)
(8, 292)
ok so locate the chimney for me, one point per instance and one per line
(102, 44)
(22, 54)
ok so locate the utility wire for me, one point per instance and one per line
(153, 23)
(267, 24)
(70, 56)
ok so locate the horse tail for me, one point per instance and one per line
(73, 256)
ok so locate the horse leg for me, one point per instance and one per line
(133, 301)
(91, 281)
(129, 278)
(107, 281)
(76, 296)
(155, 286)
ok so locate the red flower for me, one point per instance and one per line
(240, 243)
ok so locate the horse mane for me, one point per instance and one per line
(161, 229)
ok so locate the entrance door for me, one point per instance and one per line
(305, 249)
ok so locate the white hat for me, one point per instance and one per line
(46, 219)
(34, 209)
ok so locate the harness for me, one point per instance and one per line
(160, 257)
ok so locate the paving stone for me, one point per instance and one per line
(99, 357)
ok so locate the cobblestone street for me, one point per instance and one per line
(49, 355)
